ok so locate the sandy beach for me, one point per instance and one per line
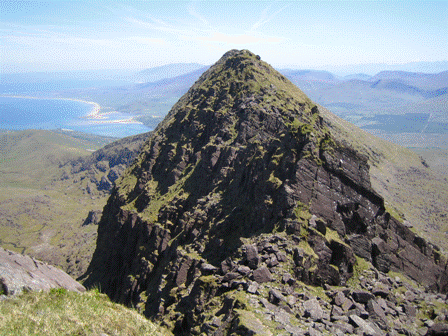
(94, 114)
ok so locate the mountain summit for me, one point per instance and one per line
(239, 200)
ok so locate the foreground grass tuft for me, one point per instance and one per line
(60, 312)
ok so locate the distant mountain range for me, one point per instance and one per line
(359, 98)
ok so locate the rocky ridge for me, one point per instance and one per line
(241, 207)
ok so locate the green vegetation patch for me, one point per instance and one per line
(60, 312)
(360, 266)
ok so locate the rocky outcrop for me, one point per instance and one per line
(98, 172)
(93, 217)
(239, 200)
(20, 272)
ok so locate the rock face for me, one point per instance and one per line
(98, 172)
(19, 272)
(239, 199)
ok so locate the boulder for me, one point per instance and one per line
(438, 329)
(313, 310)
(20, 272)
(251, 256)
(93, 218)
(262, 275)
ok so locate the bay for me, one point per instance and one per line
(19, 113)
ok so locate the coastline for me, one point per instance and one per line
(94, 113)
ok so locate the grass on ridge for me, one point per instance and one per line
(61, 312)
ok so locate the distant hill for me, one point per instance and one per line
(358, 98)
(165, 71)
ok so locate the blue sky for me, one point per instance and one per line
(69, 35)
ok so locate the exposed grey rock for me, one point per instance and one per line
(253, 287)
(282, 317)
(262, 275)
(381, 290)
(377, 314)
(19, 272)
(227, 265)
(345, 327)
(438, 329)
(364, 326)
(244, 270)
(313, 310)
(339, 298)
(208, 268)
(227, 168)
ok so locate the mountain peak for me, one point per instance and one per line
(242, 185)
(240, 90)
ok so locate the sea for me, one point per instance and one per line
(20, 113)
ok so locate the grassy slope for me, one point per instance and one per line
(60, 312)
(412, 191)
(39, 216)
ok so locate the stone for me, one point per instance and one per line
(361, 311)
(318, 224)
(208, 269)
(313, 310)
(361, 245)
(381, 290)
(182, 273)
(20, 272)
(281, 317)
(93, 218)
(438, 329)
(262, 275)
(230, 276)
(281, 257)
(339, 298)
(244, 270)
(345, 327)
(272, 261)
(227, 265)
(275, 297)
(377, 314)
(363, 325)
(410, 310)
(253, 287)
(336, 311)
(361, 296)
(250, 255)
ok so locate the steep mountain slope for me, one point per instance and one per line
(241, 198)
(396, 173)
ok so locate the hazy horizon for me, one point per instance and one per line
(58, 36)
